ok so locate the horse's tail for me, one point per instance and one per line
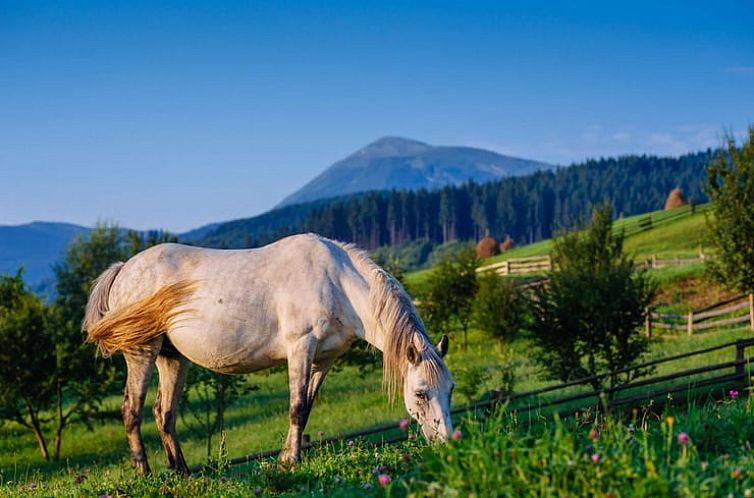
(138, 322)
(98, 304)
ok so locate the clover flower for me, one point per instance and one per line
(683, 438)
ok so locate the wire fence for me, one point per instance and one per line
(580, 394)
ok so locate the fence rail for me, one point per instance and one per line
(701, 319)
(694, 382)
(519, 266)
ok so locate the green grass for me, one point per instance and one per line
(675, 233)
(639, 454)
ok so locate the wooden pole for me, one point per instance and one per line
(740, 371)
(690, 324)
(751, 310)
(654, 261)
(648, 323)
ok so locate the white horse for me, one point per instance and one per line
(302, 300)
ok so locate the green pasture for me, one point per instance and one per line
(674, 233)
(552, 457)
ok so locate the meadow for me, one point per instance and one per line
(639, 452)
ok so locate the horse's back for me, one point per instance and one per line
(249, 304)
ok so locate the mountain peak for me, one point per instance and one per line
(393, 146)
(402, 163)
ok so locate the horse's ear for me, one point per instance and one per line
(412, 355)
(442, 346)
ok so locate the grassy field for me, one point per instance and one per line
(678, 233)
(699, 449)
(95, 462)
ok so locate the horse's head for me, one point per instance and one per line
(427, 388)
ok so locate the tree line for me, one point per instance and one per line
(528, 208)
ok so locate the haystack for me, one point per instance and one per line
(487, 247)
(506, 244)
(675, 199)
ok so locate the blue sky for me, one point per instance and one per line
(175, 114)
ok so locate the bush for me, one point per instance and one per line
(730, 185)
(499, 307)
(586, 320)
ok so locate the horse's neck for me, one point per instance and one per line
(357, 290)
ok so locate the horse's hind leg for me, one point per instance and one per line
(140, 363)
(172, 369)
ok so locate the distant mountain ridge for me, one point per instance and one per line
(404, 164)
(36, 246)
(527, 208)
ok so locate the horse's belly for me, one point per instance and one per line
(227, 347)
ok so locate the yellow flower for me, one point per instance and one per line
(651, 470)
(670, 420)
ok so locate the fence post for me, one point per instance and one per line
(507, 267)
(648, 323)
(751, 310)
(740, 371)
(690, 324)
(654, 261)
(549, 263)
(701, 252)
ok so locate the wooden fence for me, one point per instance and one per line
(519, 266)
(576, 395)
(737, 309)
(659, 218)
(534, 264)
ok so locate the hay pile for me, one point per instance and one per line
(487, 247)
(506, 244)
(675, 199)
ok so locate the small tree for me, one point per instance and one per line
(206, 397)
(586, 320)
(81, 381)
(730, 186)
(450, 292)
(27, 362)
(499, 307)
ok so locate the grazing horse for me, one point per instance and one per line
(302, 300)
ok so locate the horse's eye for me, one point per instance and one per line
(421, 395)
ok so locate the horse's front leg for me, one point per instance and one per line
(299, 376)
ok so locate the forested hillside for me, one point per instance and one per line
(528, 208)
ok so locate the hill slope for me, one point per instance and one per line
(399, 163)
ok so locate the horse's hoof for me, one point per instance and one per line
(141, 467)
(287, 461)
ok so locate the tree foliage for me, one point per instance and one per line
(450, 292)
(81, 379)
(27, 363)
(730, 185)
(586, 321)
(499, 307)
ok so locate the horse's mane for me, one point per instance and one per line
(394, 313)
